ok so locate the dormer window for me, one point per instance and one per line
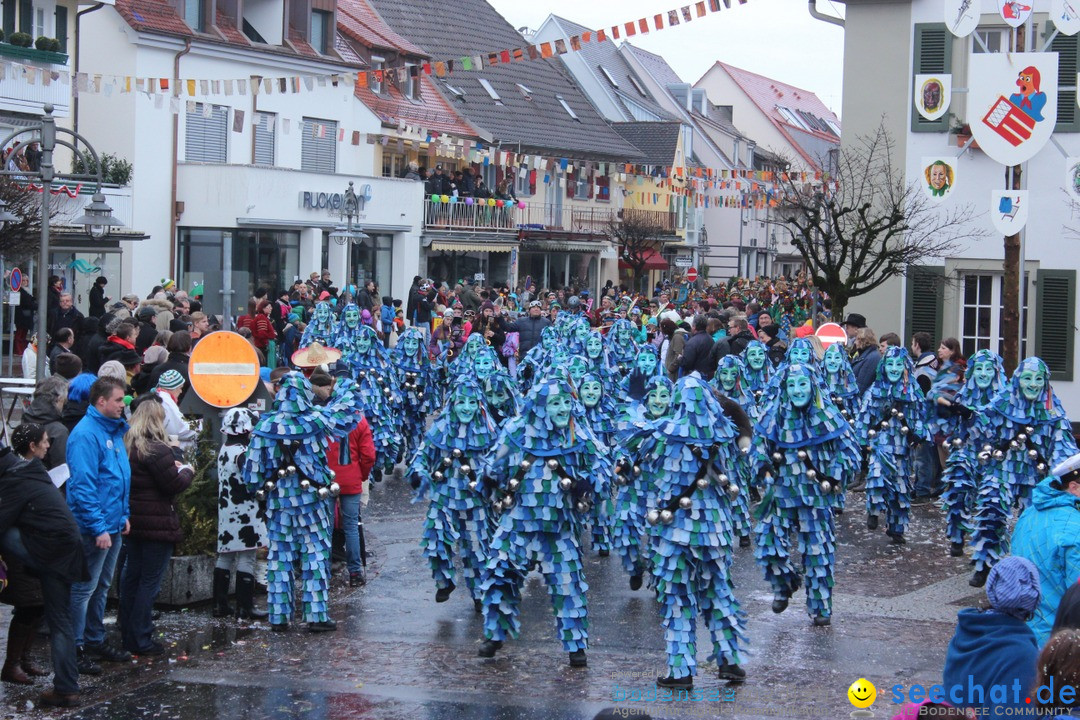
(322, 31)
(377, 63)
(195, 14)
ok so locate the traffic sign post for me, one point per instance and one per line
(224, 369)
(831, 333)
(15, 280)
(691, 274)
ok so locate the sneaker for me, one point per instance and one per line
(979, 578)
(155, 648)
(322, 626)
(922, 499)
(577, 659)
(357, 580)
(780, 603)
(603, 553)
(897, 537)
(279, 627)
(744, 541)
(107, 652)
(683, 683)
(488, 648)
(86, 664)
(731, 673)
(61, 700)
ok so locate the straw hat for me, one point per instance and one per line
(315, 355)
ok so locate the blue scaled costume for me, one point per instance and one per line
(890, 422)
(531, 366)
(321, 328)
(445, 471)
(503, 399)
(286, 464)
(547, 469)
(730, 381)
(621, 346)
(808, 454)
(600, 362)
(685, 466)
(972, 500)
(599, 407)
(759, 370)
(637, 422)
(417, 386)
(840, 380)
(1029, 438)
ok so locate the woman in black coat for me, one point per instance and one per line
(157, 477)
(98, 299)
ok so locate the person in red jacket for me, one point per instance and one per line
(262, 327)
(351, 462)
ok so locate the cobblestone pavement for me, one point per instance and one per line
(397, 654)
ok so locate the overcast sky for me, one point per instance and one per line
(776, 38)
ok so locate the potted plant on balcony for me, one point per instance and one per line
(47, 44)
(21, 39)
(962, 131)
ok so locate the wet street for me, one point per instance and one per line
(398, 655)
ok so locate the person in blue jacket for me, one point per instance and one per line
(995, 646)
(1048, 534)
(97, 493)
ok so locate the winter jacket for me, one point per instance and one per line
(45, 414)
(70, 318)
(148, 332)
(97, 491)
(175, 423)
(993, 649)
(675, 347)
(864, 365)
(155, 483)
(97, 301)
(30, 502)
(1048, 534)
(364, 301)
(424, 305)
(111, 349)
(177, 361)
(352, 461)
(529, 330)
(695, 355)
(73, 414)
(262, 331)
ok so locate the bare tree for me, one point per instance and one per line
(863, 224)
(637, 237)
(23, 236)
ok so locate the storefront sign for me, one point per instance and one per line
(684, 261)
(334, 202)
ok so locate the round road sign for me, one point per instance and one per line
(16, 279)
(691, 274)
(830, 333)
(224, 369)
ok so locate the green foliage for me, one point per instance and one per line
(198, 505)
(115, 170)
(43, 43)
(1, 34)
(21, 39)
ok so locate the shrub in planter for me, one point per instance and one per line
(21, 39)
(42, 43)
(54, 45)
(1, 34)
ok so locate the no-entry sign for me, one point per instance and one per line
(691, 274)
(830, 333)
(224, 369)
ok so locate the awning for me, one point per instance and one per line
(465, 246)
(653, 261)
(564, 246)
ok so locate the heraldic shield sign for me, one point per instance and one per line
(932, 94)
(962, 16)
(1066, 16)
(939, 177)
(1009, 210)
(1012, 103)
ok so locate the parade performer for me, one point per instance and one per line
(840, 380)
(730, 381)
(503, 398)
(621, 346)
(1030, 435)
(636, 423)
(286, 465)
(241, 526)
(321, 328)
(416, 385)
(368, 363)
(547, 470)
(973, 500)
(530, 366)
(361, 350)
(600, 415)
(599, 360)
(685, 467)
(891, 420)
(809, 451)
(758, 368)
(445, 472)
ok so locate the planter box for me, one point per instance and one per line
(32, 53)
(188, 580)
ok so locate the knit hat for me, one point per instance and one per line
(146, 312)
(487, 305)
(448, 313)
(170, 380)
(155, 354)
(167, 284)
(1012, 587)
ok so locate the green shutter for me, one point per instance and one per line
(1066, 46)
(26, 16)
(1055, 326)
(925, 299)
(933, 54)
(9, 18)
(62, 27)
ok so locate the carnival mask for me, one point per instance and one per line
(755, 357)
(560, 356)
(800, 389)
(833, 360)
(497, 395)
(658, 401)
(894, 368)
(322, 312)
(558, 409)
(594, 345)
(799, 355)
(484, 364)
(984, 373)
(591, 392)
(577, 370)
(1032, 384)
(623, 334)
(646, 363)
(352, 317)
(410, 344)
(363, 343)
(728, 377)
(465, 408)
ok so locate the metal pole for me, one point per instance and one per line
(48, 144)
(742, 210)
(226, 281)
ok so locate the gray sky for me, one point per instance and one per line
(776, 38)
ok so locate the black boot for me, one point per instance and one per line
(979, 578)
(871, 522)
(245, 598)
(443, 594)
(488, 648)
(577, 659)
(956, 549)
(221, 592)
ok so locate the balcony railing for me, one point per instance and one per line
(28, 88)
(481, 217)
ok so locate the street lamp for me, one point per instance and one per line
(348, 235)
(97, 219)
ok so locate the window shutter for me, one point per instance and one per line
(933, 54)
(26, 16)
(206, 139)
(62, 27)
(1055, 330)
(1068, 117)
(318, 152)
(925, 299)
(265, 139)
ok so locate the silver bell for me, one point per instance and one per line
(582, 507)
(1013, 444)
(456, 452)
(1029, 430)
(984, 457)
(331, 474)
(269, 486)
(637, 470)
(745, 450)
(666, 516)
(652, 517)
(324, 493)
(1033, 453)
(957, 442)
(466, 469)
(811, 473)
(553, 463)
(291, 469)
(988, 448)
(565, 484)
(473, 485)
(894, 412)
(733, 490)
(362, 374)
(514, 484)
(507, 502)
(871, 433)
(335, 489)
(685, 503)
(1022, 437)
(998, 455)
(899, 416)
(386, 392)
(1041, 467)
(305, 484)
(777, 457)
(702, 483)
(438, 476)
(801, 454)
(447, 461)
(420, 396)
(904, 429)
(884, 424)
(525, 465)
(282, 473)
(260, 495)
(826, 486)
(722, 479)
